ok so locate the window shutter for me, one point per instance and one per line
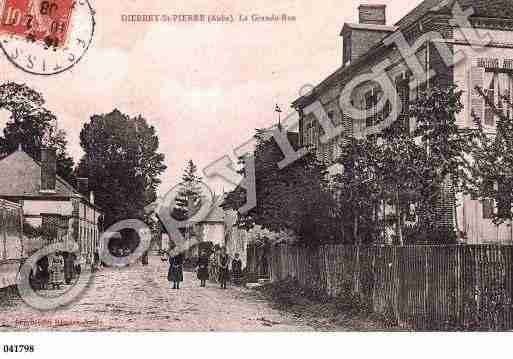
(477, 102)
(487, 208)
(347, 123)
(504, 198)
(491, 90)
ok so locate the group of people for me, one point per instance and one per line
(176, 262)
(52, 271)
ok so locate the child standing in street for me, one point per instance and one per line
(56, 271)
(203, 268)
(175, 273)
(223, 268)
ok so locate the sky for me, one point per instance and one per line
(205, 87)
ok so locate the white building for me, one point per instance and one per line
(50, 202)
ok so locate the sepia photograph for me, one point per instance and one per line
(218, 168)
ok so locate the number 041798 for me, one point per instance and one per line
(20, 348)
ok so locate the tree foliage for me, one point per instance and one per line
(32, 126)
(493, 160)
(189, 198)
(122, 162)
(296, 198)
(403, 176)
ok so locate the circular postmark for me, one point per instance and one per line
(46, 37)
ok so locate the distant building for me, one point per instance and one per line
(212, 228)
(50, 202)
(369, 42)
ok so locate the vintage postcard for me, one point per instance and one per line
(280, 166)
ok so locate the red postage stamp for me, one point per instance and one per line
(37, 20)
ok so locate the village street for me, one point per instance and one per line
(139, 298)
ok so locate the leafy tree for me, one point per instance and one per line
(401, 170)
(359, 187)
(297, 198)
(447, 148)
(122, 162)
(380, 171)
(31, 125)
(493, 160)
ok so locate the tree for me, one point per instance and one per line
(402, 170)
(122, 162)
(493, 159)
(189, 197)
(32, 126)
(359, 187)
(296, 198)
(447, 149)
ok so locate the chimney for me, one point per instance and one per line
(48, 170)
(83, 186)
(372, 14)
(371, 30)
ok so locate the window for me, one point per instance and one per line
(402, 84)
(370, 100)
(489, 116)
(368, 105)
(309, 133)
(504, 198)
(488, 207)
(505, 88)
(496, 83)
(488, 63)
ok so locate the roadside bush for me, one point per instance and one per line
(350, 302)
(428, 235)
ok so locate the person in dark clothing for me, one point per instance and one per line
(68, 268)
(223, 269)
(203, 268)
(96, 263)
(237, 270)
(43, 273)
(175, 273)
(144, 259)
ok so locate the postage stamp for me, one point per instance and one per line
(46, 37)
(36, 20)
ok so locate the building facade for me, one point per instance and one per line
(438, 43)
(50, 203)
(12, 250)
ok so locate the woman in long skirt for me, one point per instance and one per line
(144, 259)
(203, 268)
(223, 269)
(57, 272)
(68, 268)
(237, 270)
(43, 273)
(175, 273)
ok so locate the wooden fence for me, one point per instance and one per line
(426, 287)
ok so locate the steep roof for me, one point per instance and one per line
(20, 175)
(371, 27)
(500, 9)
(216, 214)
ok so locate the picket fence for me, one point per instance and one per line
(424, 287)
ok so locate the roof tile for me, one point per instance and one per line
(20, 175)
